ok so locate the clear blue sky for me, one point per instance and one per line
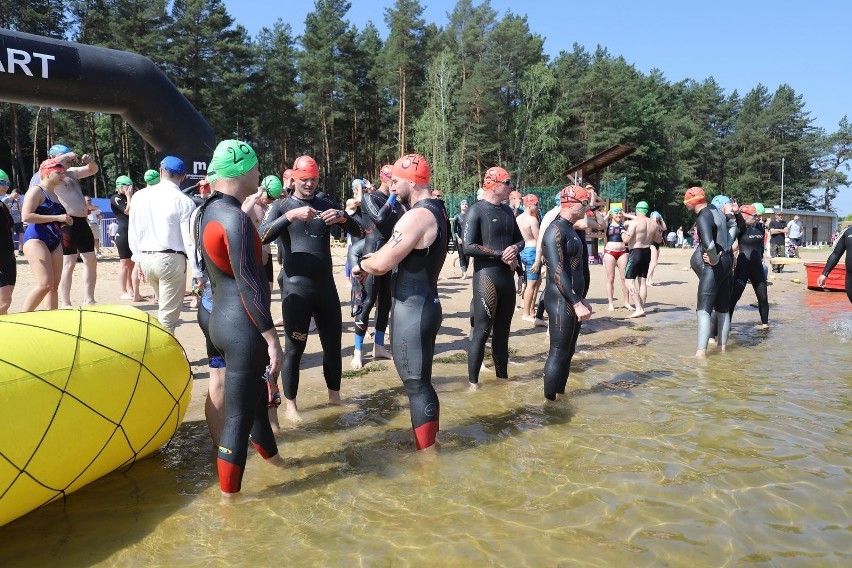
(740, 43)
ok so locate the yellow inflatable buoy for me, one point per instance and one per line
(796, 281)
(82, 393)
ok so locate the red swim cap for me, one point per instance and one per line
(50, 165)
(573, 194)
(530, 199)
(693, 196)
(748, 210)
(304, 167)
(496, 175)
(286, 176)
(386, 172)
(413, 168)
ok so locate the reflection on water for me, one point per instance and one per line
(653, 459)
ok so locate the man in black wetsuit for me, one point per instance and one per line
(563, 252)
(494, 241)
(749, 266)
(458, 233)
(841, 247)
(302, 223)
(417, 249)
(712, 262)
(380, 213)
(240, 320)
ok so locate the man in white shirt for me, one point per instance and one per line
(795, 230)
(160, 239)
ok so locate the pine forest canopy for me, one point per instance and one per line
(477, 92)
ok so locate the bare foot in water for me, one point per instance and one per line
(291, 412)
(701, 353)
(637, 314)
(501, 381)
(334, 397)
(277, 461)
(471, 387)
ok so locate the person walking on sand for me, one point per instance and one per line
(639, 236)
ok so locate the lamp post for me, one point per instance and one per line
(782, 184)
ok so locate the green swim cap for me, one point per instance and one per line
(759, 208)
(123, 180)
(642, 207)
(231, 159)
(4, 176)
(152, 177)
(273, 186)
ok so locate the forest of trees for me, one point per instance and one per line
(477, 92)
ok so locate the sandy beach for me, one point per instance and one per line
(672, 297)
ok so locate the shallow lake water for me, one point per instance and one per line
(655, 459)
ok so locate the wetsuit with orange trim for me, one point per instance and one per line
(563, 251)
(308, 286)
(380, 214)
(231, 257)
(841, 247)
(750, 267)
(489, 230)
(417, 318)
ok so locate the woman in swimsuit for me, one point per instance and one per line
(45, 217)
(615, 255)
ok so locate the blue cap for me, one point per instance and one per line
(720, 200)
(656, 215)
(556, 199)
(173, 165)
(58, 149)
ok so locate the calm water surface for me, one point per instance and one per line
(654, 460)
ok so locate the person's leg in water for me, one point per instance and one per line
(382, 317)
(482, 311)
(360, 297)
(722, 303)
(564, 331)
(296, 309)
(501, 329)
(330, 329)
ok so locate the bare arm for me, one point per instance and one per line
(413, 229)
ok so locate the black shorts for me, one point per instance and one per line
(77, 237)
(19, 228)
(124, 252)
(8, 269)
(638, 263)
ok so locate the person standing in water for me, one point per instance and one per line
(240, 321)
(417, 249)
(749, 265)
(302, 223)
(842, 246)
(494, 241)
(563, 296)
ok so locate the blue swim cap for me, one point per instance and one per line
(655, 215)
(174, 165)
(720, 200)
(616, 209)
(557, 200)
(58, 149)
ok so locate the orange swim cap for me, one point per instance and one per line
(496, 175)
(413, 168)
(694, 195)
(573, 194)
(530, 199)
(386, 172)
(748, 210)
(304, 167)
(50, 165)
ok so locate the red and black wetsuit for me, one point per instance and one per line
(563, 252)
(230, 249)
(417, 318)
(308, 286)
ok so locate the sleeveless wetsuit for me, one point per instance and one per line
(308, 286)
(230, 250)
(379, 218)
(490, 229)
(416, 320)
(8, 266)
(118, 203)
(714, 282)
(563, 251)
(750, 267)
(841, 247)
(48, 233)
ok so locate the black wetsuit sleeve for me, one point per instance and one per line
(245, 263)
(839, 249)
(457, 226)
(274, 222)
(473, 242)
(741, 226)
(352, 226)
(558, 268)
(706, 225)
(379, 212)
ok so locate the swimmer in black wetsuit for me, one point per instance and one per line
(301, 224)
(712, 262)
(494, 241)
(8, 266)
(566, 308)
(380, 213)
(749, 266)
(240, 321)
(841, 247)
(418, 248)
(458, 234)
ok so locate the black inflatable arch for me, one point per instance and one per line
(35, 70)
